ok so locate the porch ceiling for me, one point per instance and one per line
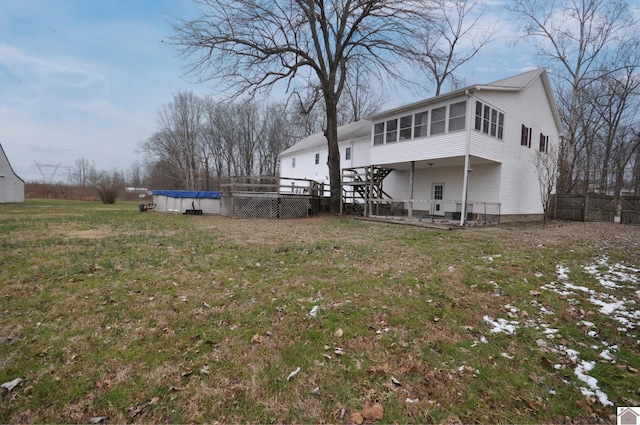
(454, 161)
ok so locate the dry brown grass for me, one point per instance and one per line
(166, 318)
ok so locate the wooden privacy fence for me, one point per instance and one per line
(596, 208)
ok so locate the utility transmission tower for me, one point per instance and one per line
(48, 171)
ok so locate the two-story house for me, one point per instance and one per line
(470, 151)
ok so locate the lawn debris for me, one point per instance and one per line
(143, 407)
(372, 412)
(314, 311)
(10, 385)
(98, 419)
(338, 333)
(294, 373)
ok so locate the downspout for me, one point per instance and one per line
(465, 178)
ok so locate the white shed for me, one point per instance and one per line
(11, 186)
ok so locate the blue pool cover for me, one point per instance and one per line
(187, 194)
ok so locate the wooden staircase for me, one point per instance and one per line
(362, 184)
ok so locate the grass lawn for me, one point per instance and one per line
(110, 315)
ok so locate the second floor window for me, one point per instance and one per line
(544, 143)
(438, 120)
(489, 120)
(525, 138)
(420, 124)
(457, 116)
(347, 153)
(392, 131)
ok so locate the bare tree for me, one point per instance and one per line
(249, 45)
(178, 140)
(453, 24)
(81, 171)
(576, 37)
(547, 171)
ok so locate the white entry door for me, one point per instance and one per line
(437, 194)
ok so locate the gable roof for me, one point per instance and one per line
(515, 83)
(350, 131)
(4, 155)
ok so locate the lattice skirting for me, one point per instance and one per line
(261, 206)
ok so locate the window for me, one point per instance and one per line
(457, 116)
(438, 192)
(489, 120)
(485, 119)
(317, 158)
(494, 122)
(544, 143)
(438, 120)
(378, 134)
(347, 153)
(420, 124)
(293, 163)
(525, 138)
(405, 128)
(392, 131)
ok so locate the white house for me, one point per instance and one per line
(11, 186)
(457, 155)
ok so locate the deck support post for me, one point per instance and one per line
(412, 172)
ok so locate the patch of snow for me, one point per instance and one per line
(562, 272)
(592, 388)
(606, 354)
(572, 354)
(501, 325)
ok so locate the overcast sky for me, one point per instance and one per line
(85, 78)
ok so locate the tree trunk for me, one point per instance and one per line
(333, 160)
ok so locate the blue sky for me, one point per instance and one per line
(85, 78)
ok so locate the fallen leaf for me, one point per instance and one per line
(98, 419)
(339, 351)
(395, 382)
(373, 413)
(338, 333)
(356, 418)
(584, 405)
(256, 339)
